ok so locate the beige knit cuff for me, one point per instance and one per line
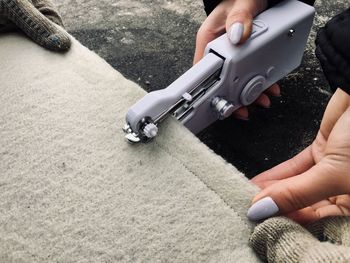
(282, 240)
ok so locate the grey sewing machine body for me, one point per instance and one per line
(228, 76)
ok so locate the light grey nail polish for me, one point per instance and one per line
(236, 32)
(262, 209)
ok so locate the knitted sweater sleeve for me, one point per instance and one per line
(280, 239)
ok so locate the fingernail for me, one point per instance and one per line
(262, 209)
(236, 32)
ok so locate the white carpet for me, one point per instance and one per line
(72, 189)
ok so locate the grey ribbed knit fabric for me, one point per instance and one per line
(333, 229)
(36, 19)
(282, 240)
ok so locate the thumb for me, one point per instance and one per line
(240, 19)
(294, 193)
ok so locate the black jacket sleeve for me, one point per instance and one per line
(209, 5)
(333, 51)
(332, 46)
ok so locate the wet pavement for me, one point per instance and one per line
(152, 43)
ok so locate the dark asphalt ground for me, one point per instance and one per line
(152, 43)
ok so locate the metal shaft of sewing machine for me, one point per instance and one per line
(181, 95)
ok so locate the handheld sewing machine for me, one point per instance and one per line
(228, 76)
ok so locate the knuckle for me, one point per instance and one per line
(202, 32)
(240, 14)
(293, 200)
(205, 30)
(205, 34)
(337, 167)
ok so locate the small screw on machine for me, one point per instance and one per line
(291, 32)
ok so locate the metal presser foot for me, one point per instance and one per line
(148, 131)
(130, 136)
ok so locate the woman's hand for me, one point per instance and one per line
(316, 182)
(234, 17)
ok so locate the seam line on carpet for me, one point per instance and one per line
(203, 182)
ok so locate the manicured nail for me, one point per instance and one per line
(236, 32)
(262, 209)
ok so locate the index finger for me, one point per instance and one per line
(211, 28)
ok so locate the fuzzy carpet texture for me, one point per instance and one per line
(72, 189)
